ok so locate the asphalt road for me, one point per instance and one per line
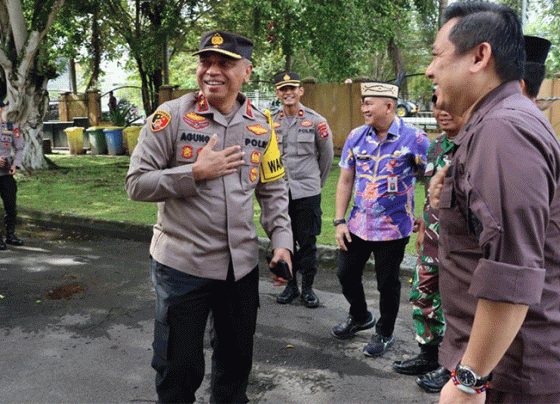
(76, 315)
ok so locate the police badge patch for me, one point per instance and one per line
(323, 129)
(160, 120)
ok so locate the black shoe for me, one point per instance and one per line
(425, 362)
(434, 381)
(309, 298)
(289, 294)
(349, 328)
(378, 345)
(13, 240)
(2, 244)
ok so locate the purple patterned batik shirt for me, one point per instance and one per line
(385, 175)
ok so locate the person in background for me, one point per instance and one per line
(306, 145)
(200, 157)
(536, 51)
(379, 164)
(11, 153)
(499, 212)
(112, 102)
(427, 313)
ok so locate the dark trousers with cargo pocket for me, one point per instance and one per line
(305, 214)
(8, 191)
(183, 304)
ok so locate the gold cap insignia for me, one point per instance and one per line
(287, 77)
(217, 39)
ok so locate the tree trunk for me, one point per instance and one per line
(442, 6)
(397, 61)
(96, 49)
(27, 110)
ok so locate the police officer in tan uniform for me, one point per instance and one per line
(306, 146)
(11, 151)
(200, 157)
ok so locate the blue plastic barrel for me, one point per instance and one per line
(114, 139)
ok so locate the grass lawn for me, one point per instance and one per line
(93, 186)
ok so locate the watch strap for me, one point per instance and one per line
(336, 222)
(465, 389)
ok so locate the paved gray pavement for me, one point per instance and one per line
(76, 315)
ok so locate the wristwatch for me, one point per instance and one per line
(336, 222)
(468, 381)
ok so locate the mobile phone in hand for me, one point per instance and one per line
(282, 270)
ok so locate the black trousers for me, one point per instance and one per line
(183, 304)
(8, 191)
(305, 214)
(388, 256)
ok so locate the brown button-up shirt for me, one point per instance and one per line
(500, 236)
(204, 226)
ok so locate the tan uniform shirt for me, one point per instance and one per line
(203, 226)
(10, 141)
(306, 146)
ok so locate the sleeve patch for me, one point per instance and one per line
(160, 120)
(323, 129)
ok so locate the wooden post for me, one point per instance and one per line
(94, 107)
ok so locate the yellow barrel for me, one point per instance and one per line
(131, 134)
(75, 136)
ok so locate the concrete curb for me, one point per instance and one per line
(327, 255)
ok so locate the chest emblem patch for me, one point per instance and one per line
(160, 120)
(255, 157)
(187, 152)
(258, 129)
(195, 121)
(253, 174)
(307, 123)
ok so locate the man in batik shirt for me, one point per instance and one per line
(380, 161)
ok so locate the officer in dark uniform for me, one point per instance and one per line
(306, 145)
(11, 150)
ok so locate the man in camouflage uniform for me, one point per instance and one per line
(427, 313)
(11, 151)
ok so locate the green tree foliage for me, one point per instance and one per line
(153, 30)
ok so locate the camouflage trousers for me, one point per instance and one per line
(427, 313)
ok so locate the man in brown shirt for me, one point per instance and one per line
(199, 157)
(499, 209)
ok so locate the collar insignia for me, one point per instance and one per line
(201, 104)
(249, 111)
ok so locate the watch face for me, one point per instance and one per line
(466, 377)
